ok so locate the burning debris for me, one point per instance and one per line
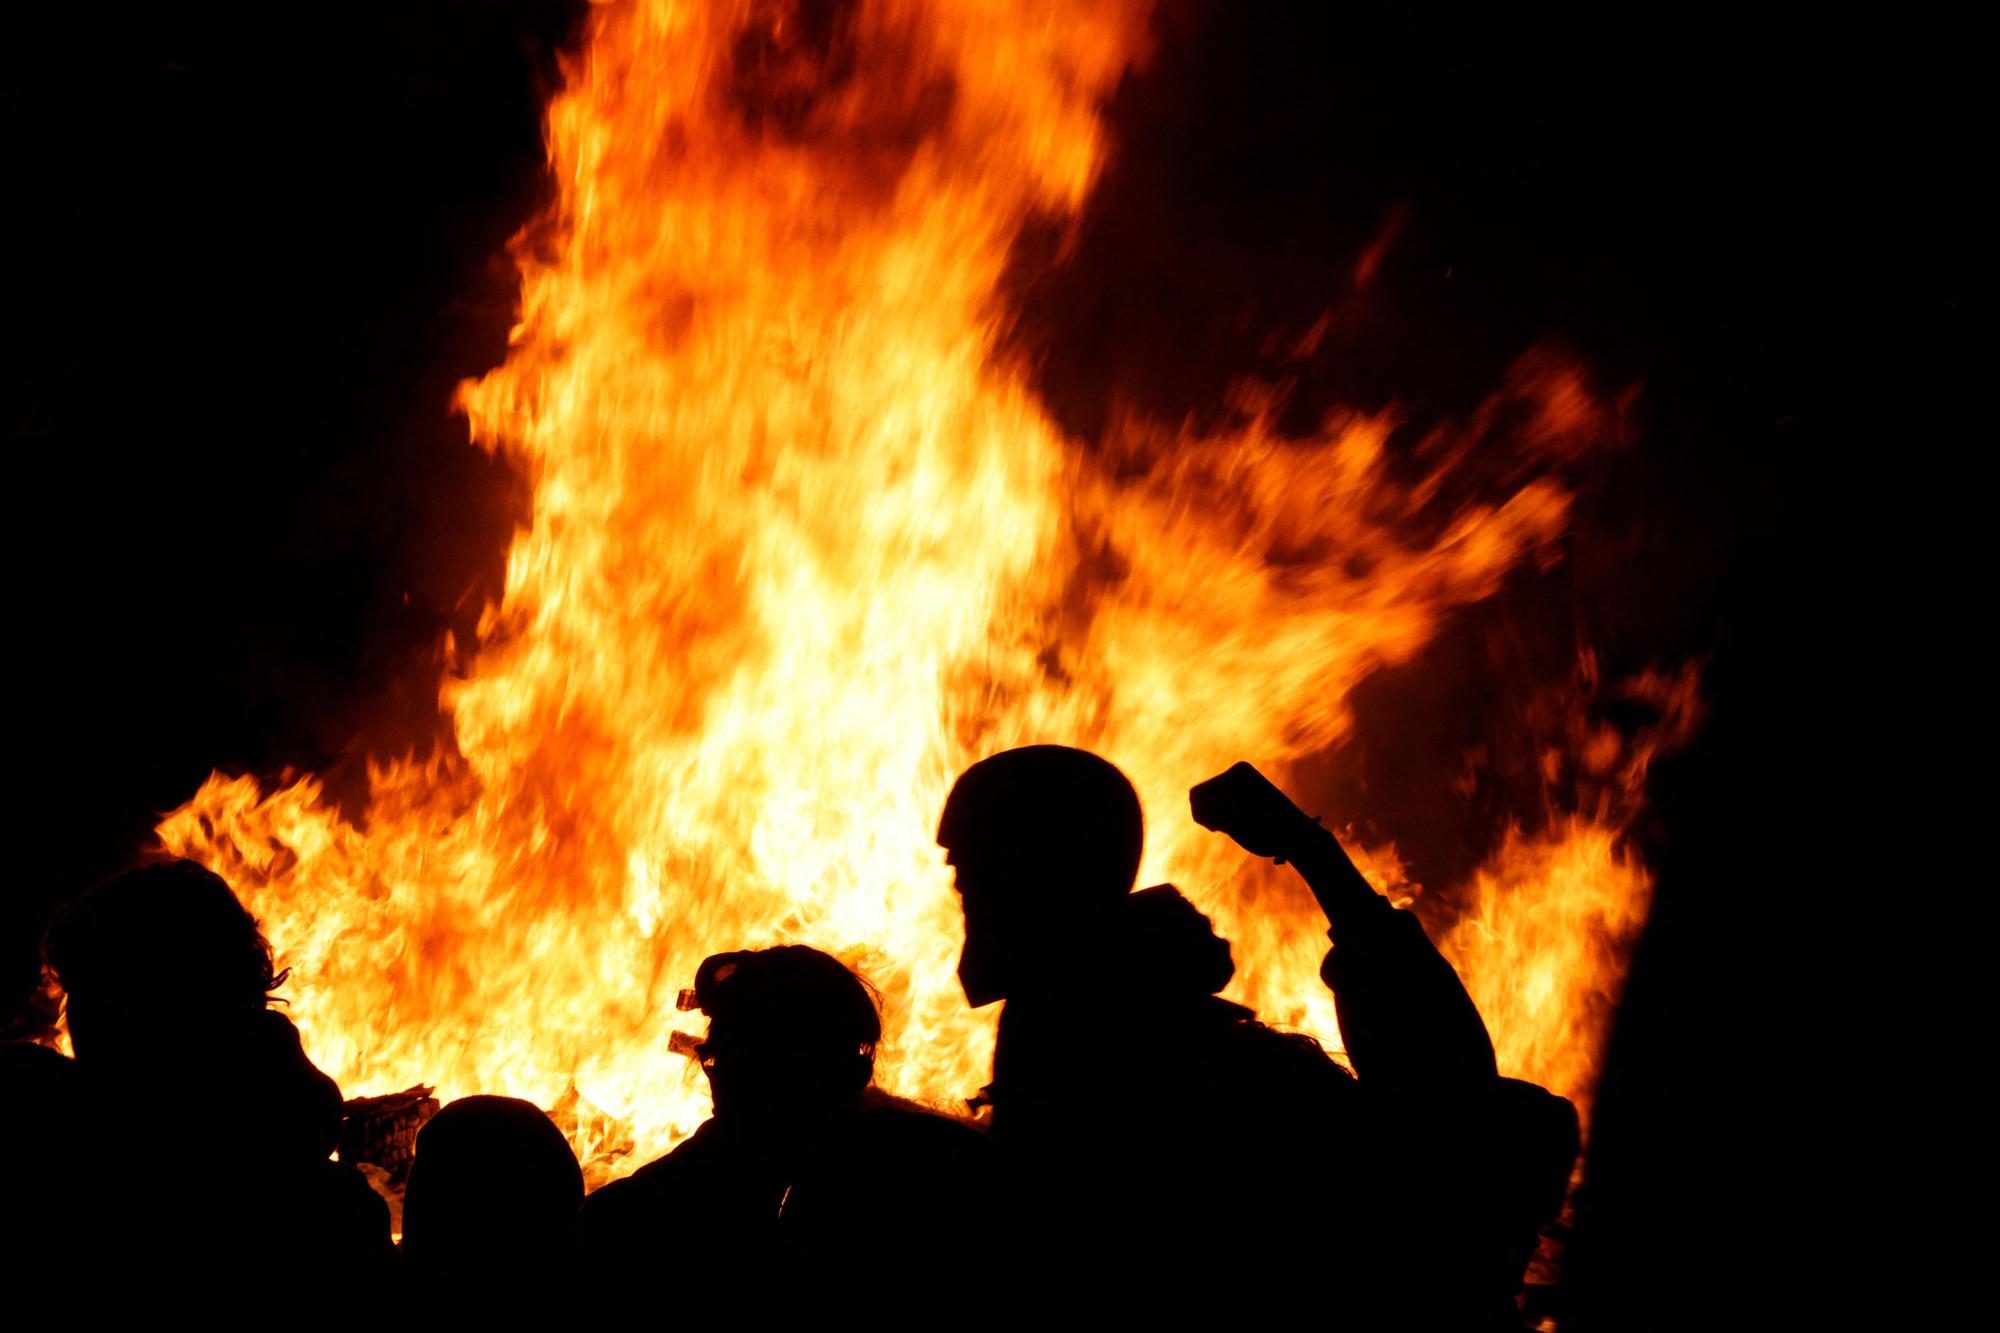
(382, 1131)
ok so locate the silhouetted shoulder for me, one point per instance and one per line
(894, 1181)
(704, 1153)
(40, 1098)
(707, 1199)
(35, 1079)
(909, 1139)
(347, 1221)
(894, 1119)
(1231, 1068)
(656, 1178)
(1289, 1059)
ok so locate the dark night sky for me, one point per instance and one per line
(254, 250)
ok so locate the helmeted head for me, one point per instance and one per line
(1036, 835)
(791, 1032)
(154, 954)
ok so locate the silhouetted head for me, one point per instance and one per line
(155, 954)
(492, 1199)
(791, 1032)
(1037, 835)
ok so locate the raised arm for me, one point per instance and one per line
(1404, 1014)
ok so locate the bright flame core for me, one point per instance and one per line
(804, 545)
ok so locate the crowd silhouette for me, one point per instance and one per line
(1145, 1148)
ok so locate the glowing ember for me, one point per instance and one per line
(803, 546)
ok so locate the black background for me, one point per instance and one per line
(253, 250)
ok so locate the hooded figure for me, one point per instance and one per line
(1173, 1152)
(1144, 1118)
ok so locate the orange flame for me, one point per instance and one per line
(1550, 919)
(804, 544)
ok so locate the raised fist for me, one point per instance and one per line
(1242, 803)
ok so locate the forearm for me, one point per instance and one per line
(1403, 1010)
(1348, 899)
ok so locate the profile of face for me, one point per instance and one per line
(791, 1035)
(744, 1078)
(997, 943)
(1041, 838)
(775, 1085)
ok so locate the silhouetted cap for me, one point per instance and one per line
(790, 995)
(1054, 814)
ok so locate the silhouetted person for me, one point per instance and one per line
(1173, 1151)
(40, 1100)
(1494, 1154)
(490, 1213)
(209, 1190)
(805, 1175)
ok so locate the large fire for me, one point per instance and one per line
(804, 544)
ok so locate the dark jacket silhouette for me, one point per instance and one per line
(489, 1215)
(1173, 1152)
(209, 1190)
(805, 1177)
(40, 1147)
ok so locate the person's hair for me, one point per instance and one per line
(1066, 814)
(173, 932)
